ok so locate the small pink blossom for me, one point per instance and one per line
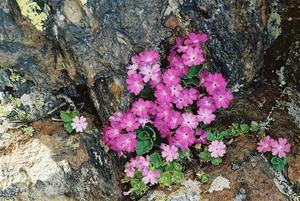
(150, 72)
(140, 107)
(132, 68)
(135, 83)
(176, 90)
(171, 77)
(162, 127)
(207, 103)
(189, 120)
(79, 123)
(184, 137)
(206, 116)
(203, 77)
(215, 82)
(280, 147)
(170, 152)
(177, 63)
(163, 94)
(264, 145)
(217, 149)
(174, 119)
(163, 111)
(129, 122)
(115, 118)
(149, 57)
(182, 100)
(194, 38)
(222, 98)
(202, 136)
(151, 177)
(193, 56)
(124, 143)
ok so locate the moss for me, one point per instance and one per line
(33, 11)
(273, 26)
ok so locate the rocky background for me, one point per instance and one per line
(60, 54)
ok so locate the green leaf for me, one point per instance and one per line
(177, 177)
(74, 114)
(65, 116)
(245, 128)
(68, 127)
(144, 143)
(254, 126)
(155, 160)
(165, 179)
(205, 178)
(147, 92)
(192, 82)
(214, 135)
(184, 154)
(279, 163)
(216, 161)
(205, 155)
(193, 71)
(174, 167)
(150, 131)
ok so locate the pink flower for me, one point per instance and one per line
(202, 134)
(203, 77)
(171, 77)
(206, 116)
(174, 119)
(124, 143)
(184, 137)
(163, 94)
(207, 103)
(150, 72)
(194, 38)
(176, 90)
(149, 57)
(162, 127)
(163, 111)
(217, 149)
(151, 177)
(142, 163)
(115, 118)
(215, 82)
(222, 98)
(264, 145)
(193, 94)
(280, 147)
(189, 120)
(135, 83)
(170, 152)
(193, 56)
(140, 107)
(144, 120)
(182, 100)
(132, 68)
(177, 63)
(79, 124)
(113, 132)
(129, 122)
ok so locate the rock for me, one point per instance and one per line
(250, 175)
(89, 43)
(54, 165)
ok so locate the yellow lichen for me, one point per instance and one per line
(34, 12)
(83, 2)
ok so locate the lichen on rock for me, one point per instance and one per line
(34, 12)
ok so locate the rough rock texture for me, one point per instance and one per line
(90, 43)
(51, 51)
(53, 165)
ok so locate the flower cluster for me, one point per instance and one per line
(279, 147)
(172, 101)
(141, 164)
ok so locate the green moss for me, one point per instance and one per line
(33, 11)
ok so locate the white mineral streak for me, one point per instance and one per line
(219, 184)
(30, 163)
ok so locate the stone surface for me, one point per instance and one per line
(54, 165)
(90, 43)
